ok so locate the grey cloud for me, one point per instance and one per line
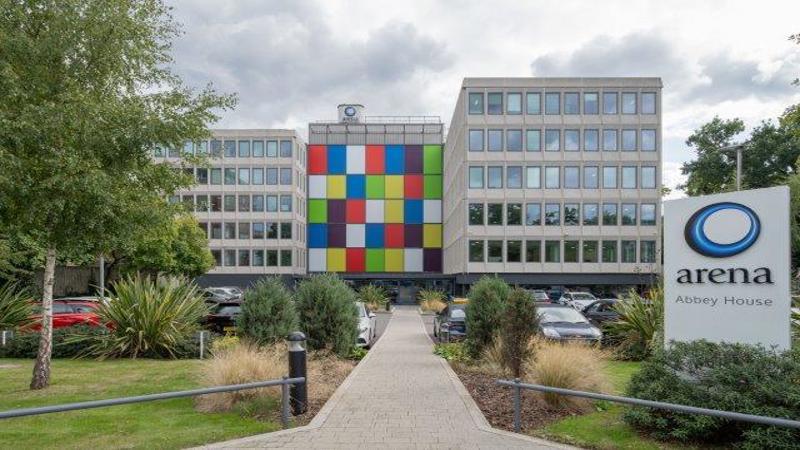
(725, 78)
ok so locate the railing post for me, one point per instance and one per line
(6, 334)
(296, 343)
(285, 403)
(517, 406)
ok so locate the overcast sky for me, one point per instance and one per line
(292, 62)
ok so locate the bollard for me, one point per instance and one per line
(296, 343)
(202, 335)
(6, 335)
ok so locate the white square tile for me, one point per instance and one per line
(356, 159)
(317, 186)
(356, 235)
(432, 210)
(375, 211)
(317, 260)
(413, 260)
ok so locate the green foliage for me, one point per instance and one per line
(730, 377)
(65, 344)
(520, 323)
(373, 296)
(639, 331)
(16, 306)
(268, 312)
(712, 171)
(149, 318)
(485, 308)
(431, 295)
(327, 311)
(451, 351)
(357, 353)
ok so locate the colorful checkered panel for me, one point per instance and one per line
(375, 208)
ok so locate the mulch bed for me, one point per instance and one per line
(497, 402)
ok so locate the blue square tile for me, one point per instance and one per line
(317, 235)
(337, 159)
(395, 160)
(356, 186)
(374, 235)
(413, 211)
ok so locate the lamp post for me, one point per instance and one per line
(738, 149)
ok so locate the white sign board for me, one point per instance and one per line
(727, 269)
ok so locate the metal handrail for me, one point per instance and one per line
(741, 417)
(283, 383)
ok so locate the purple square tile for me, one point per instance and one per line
(413, 237)
(413, 159)
(432, 260)
(337, 211)
(337, 235)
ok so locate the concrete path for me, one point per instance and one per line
(399, 396)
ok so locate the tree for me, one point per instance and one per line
(519, 324)
(487, 302)
(268, 312)
(712, 171)
(87, 95)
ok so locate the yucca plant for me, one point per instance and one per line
(431, 300)
(148, 318)
(640, 327)
(16, 307)
(374, 296)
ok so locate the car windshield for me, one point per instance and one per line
(362, 312)
(229, 310)
(581, 296)
(540, 296)
(550, 315)
(458, 313)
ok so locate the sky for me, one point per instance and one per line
(291, 62)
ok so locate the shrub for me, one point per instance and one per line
(242, 363)
(639, 329)
(224, 343)
(431, 300)
(328, 315)
(487, 300)
(520, 323)
(65, 344)
(452, 351)
(570, 365)
(16, 307)
(268, 312)
(730, 377)
(149, 318)
(373, 296)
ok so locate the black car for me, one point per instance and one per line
(450, 324)
(563, 323)
(601, 311)
(223, 317)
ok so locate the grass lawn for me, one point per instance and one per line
(158, 424)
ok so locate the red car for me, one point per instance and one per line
(68, 312)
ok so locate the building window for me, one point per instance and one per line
(272, 176)
(609, 103)
(533, 251)
(272, 258)
(533, 103)
(609, 251)
(589, 252)
(570, 251)
(244, 230)
(286, 149)
(258, 230)
(590, 214)
(217, 257)
(230, 149)
(216, 148)
(476, 177)
(514, 214)
(552, 140)
(628, 103)
(202, 148)
(647, 251)
(628, 177)
(495, 103)
(476, 102)
(514, 177)
(201, 175)
(514, 103)
(476, 140)
(230, 203)
(533, 177)
(244, 149)
(286, 203)
(476, 213)
(216, 230)
(533, 214)
(495, 143)
(258, 203)
(610, 177)
(572, 104)
(494, 214)
(629, 140)
(258, 152)
(244, 203)
(272, 203)
(258, 258)
(629, 251)
(552, 251)
(258, 175)
(230, 176)
(272, 149)
(552, 103)
(552, 177)
(610, 140)
(572, 215)
(514, 251)
(648, 177)
(591, 103)
(495, 251)
(572, 140)
(648, 140)
(286, 176)
(476, 251)
(648, 102)
(286, 230)
(216, 203)
(244, 176)
(514, 140)
(552, 214)
(286, 258)
(230, 258)
(272, 230)
(629, 214)
(216, 176)
(494, 175)
(610, 214)
(590, 177)
(533, 140)
(230, 230)
(572, 178)
(591, 140)
(647, 214)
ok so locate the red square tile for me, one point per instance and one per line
(394, 235)
(376, 160)
(356, 260)
(413, 186)
(356, 211)
(317, 160)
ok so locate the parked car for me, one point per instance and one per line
(601, 311)
(69, 312)
(564, 323)
(222, 318)
(221, 294)
(555, 292)
(577, 300)
(367, 326)
(539, 295)
(450, 324)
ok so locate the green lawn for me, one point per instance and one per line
(158, 424)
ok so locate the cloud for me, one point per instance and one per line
(726, 78)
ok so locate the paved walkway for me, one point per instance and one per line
(400, 396)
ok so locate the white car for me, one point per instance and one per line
(367, 331)
(577, 300)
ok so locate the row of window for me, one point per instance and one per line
(568, 140)
(558, 177)
(254, 258)
(231, 149)
(234, 203)
(594, 214)
(568, 103)
(247, 230)
(568, 251)
(271, 176)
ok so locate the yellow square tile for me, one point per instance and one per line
(394, 186)
(336, 260)
(432, 235)
(394, 260)
(393, 211)
(337, 186)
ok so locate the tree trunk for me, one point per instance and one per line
(41, 370)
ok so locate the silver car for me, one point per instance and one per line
(367, 331)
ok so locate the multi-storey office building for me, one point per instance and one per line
(554, 181)
(251, 202)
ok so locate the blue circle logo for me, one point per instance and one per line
(349, 111)
(696, 237)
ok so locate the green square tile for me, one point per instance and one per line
(317, 211)
(433, 187)
(432, 162)
(375, 260)
(375, 187)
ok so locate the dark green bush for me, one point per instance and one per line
(519, 324)
(730, 377)
(268, 312)
(26, 345)
(327, 311)
(487, 301)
